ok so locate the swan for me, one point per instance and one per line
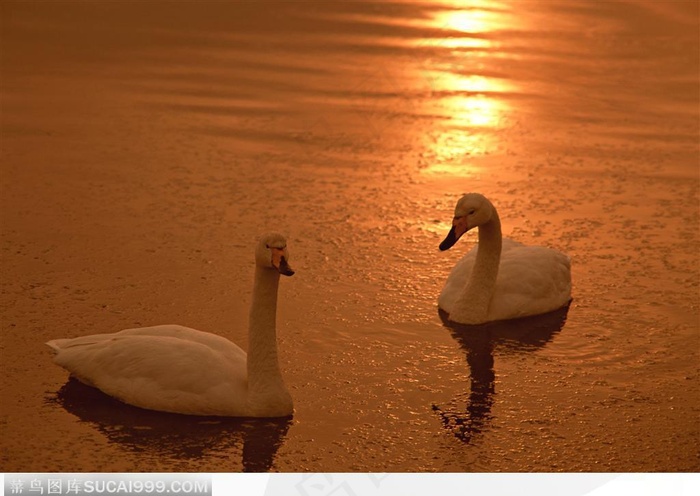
(500, 279)
(176, 369)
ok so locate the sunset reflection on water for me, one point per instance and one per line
(143, 153)
(471, 16)
(469, 98)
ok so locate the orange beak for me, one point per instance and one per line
(280, 263)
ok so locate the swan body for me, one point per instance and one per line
(176, 369)
(500, 279)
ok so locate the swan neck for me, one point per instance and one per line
(490, 238)
(263, 364)
(482, 283)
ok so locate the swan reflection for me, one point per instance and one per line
(176, 436)
(480, 342)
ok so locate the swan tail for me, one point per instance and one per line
(61, 344)
(56, 344)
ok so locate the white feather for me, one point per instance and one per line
(177, 369)
(519, 281)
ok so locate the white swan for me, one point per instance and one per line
(177, 369)
(500, 279)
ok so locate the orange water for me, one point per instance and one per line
(145, 145)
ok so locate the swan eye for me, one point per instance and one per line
(267, 246)
(471, 212)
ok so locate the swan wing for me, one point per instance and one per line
(172, 330)
(461, 272)
(531, 280)
(167, 368)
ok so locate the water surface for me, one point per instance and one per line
(145, 145)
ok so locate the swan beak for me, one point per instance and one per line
(284, 268)
(450, 240)
(279, 262)
(459, 227)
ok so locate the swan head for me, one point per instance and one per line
(272, 253)
(472, 210)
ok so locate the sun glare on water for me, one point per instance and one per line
(463, 91)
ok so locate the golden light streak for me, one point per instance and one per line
(472, 103)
